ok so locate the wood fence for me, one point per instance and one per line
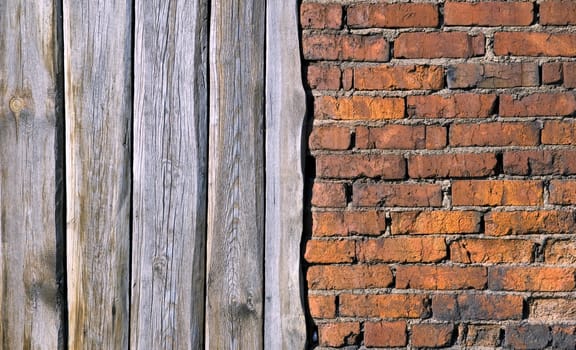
(150, 174)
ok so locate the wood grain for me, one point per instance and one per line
(31, 297)
(284, 322)
(170, 174)
(235, 246)
(98, 107)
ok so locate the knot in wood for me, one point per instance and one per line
(16, 105)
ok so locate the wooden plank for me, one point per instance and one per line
(98, 107)
(31, 229)
(284, 322)
(170, 174)
(235, 246)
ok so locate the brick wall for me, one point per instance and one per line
(443, 145)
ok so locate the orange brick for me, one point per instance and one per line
(358, 108)
(529, 222)
(360, 165)
(562, 192)
(332, 47)
(385, 334)
(477, 307)
(432, 335)
(495, 134)
(451, 106)
(435, 222)
(392, 15)
(557, 12)
(438, 45)
(401, 137)
(491, 251)
(409, 77)
(489, 13)
(538, 104)
(560, 252)
(535, 279)
(553, 310)
(322, 306)
(534, 44)
(492, 76)
(332, 251)
(452, 165)
(383, 305)
(559, 132)
(321, 16)
(330, 138)
(345, 223)
(349, 276)
(402, 249)
(497, 192)
(441, 277)
(338, 333)
(396, 195)
(323, 77)
(328, 194)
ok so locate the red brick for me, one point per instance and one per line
(477, 307)
(560, 252)
(320, 16)
(384, 305)
(451, 106)
(559, 132)
(558, 12)
(527, 336)
(345, 223)
(487, 336)
(563, 192)
(432, 335)
(534, 279)
(491, 251)
(552, 73)
(569, 74)
(553, 310)
(396, 195)
(489, 13)
(538, 104)
(358, 108)
(402, 249)
(349, 276)
(385, 334)
(388, 167)
(438, 45)
(323, 77)
(331, 251)
(330, 138)
(322, 306)
(452, 165)
(529, 222)
(392, 15)
(401, 137)
(338, 333)
(435, 222)
(534, 44)
(495, 134)
(347, 78)
(327, 194)
(497, 192)
(542, 162)
(440, 277)
(409, 77)
(493, 76)
(345, 47)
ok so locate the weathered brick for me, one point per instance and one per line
(439, 45)
(358, 108)
(552, 73)
(396, 195)
(385, 334)
(338, 333)
(495, 134)
(558, 12)
(384, 305)
(401, 137)
(332, 47)
(487, 336)
(348, 276)
(320, 16)
(529, 222)
(328, 194)
(323, 77)
(330, 138)
(405, 15)
(553, 310)
(569, 74)
(388, 167)
(441, 277)
(536, 279)
(432, 335)
(466, 105)
(559, 132)
(538, 104)
(435, 222)
(563, 337)
(477, 307)
(534, 44)
(541, 162)
(492, 76)
(345, 223)
(452, 165)
(497, 192)
(402, 249)
(488, 13)
(562, 192)
(560, 252)
(332, 251)
(492, 251)
(407, 77)
(322, 306)
(347, 78)
(527, 336)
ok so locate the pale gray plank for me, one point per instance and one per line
(170, 174)
(98, 107)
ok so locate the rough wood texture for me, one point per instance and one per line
(97, 48)
(170, 174)
(234, 315)
(31, 299)
(284, 323)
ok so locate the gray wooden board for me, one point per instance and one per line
(170, 174)
(98, 107)
(235, 242)
(31, 301)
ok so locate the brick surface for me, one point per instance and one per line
(401, 137)
(346, 223)
(330, 251)
(438, 44)
(451, 106)
(402, 249)
(323, 77)
(495, 134)
(557, 12)
(476, 306)
(560, 252)
(552, 73)
(562, 192)
(489, 13)
(452, 165)
(349, 276)
(345, 47)
(358, 108)
(534, 44)
(322, 306)
(321, 16)
(384, 305)
(406, 77)
(329, 138)
(404, 15)
(553, 310)
(559, 132)
(491, 251)
(328, 194)
(527, 336)
(432, 335)
(493, 76)
(338, 333)
(435, 222)
(544, 279)
(396, 195)
(385, 334)
(529, 222)
(497, 192)
(538, 104)
(483, 336)
(548, 162)
(339, 166)
(441, 277)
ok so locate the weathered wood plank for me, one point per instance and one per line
(170, 174)
(98, 107)
(31, 230)
(284, 322)
(234, 315)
